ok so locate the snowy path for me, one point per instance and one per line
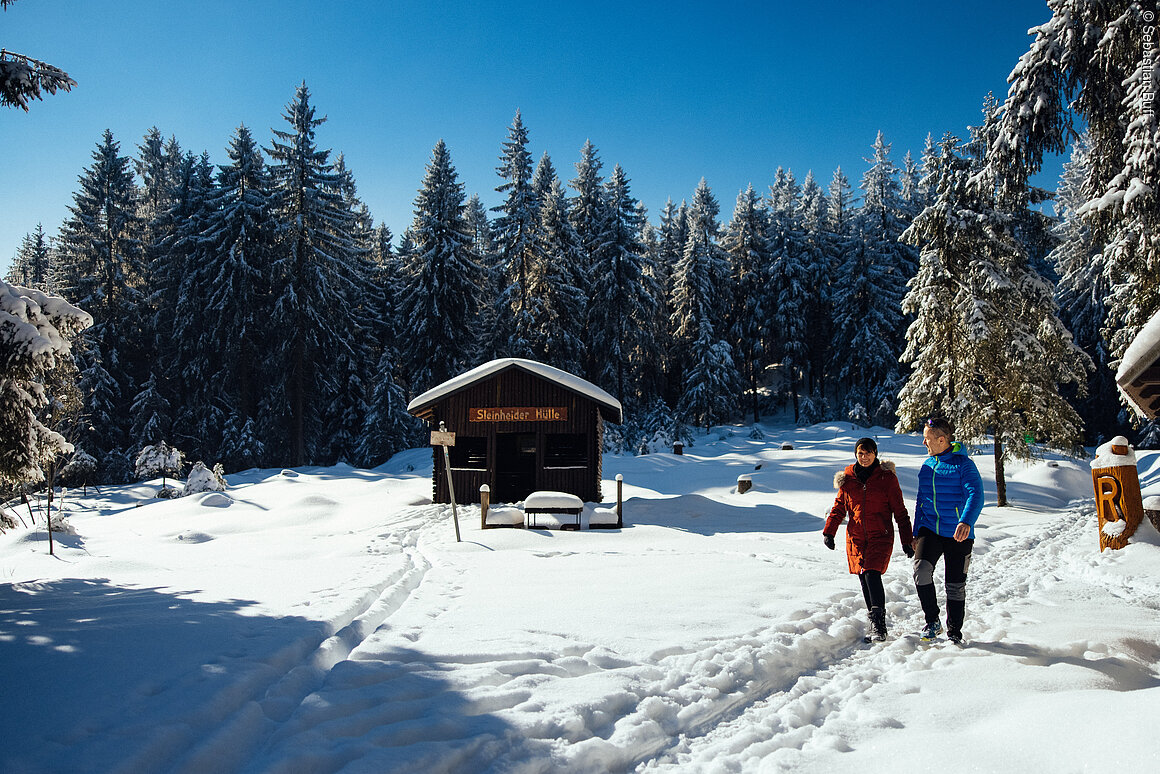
(823, 711)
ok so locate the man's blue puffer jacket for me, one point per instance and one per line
(950, 491)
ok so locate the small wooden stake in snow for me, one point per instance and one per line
(443, 438)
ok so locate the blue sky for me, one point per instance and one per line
(672, 91)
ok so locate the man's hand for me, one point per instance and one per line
(829, 541)
(962, 532)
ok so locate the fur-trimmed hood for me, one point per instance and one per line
(840, 476)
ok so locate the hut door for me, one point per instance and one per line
(515, 466)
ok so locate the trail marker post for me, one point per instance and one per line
(442, 437)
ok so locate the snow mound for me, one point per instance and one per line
(1053, 482)
(216, 500)
(603, 516)
(193, 536)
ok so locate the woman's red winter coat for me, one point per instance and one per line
(870, 534)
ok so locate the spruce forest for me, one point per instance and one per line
(248, 311)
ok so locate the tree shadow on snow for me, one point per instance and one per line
(705, 516)
(1124, 674)
(101, 677)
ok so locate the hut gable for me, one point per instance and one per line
(610, 407)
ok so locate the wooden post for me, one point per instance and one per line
(447, 440)
(619, 501)
(1119, 506)
(484, 501)
(744, 483)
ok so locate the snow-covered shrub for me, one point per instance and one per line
(79, 470)
(660, 428)
(202, 479)
(617, 438)
(813, 410)
(60, 524)
(858, 415)
(755, 434)
(160, 459)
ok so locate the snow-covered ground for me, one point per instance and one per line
(325, 620)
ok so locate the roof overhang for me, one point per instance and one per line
(1139, 374)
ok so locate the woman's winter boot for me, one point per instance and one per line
(877, 625)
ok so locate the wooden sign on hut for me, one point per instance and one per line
(520, 427)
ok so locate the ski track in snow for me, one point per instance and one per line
(242, 719)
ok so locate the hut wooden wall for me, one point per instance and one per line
(517, 388)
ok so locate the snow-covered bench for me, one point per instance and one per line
(554, 504)
(503, 516)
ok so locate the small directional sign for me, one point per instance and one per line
(442, 438)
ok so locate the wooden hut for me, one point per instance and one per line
(520, 427)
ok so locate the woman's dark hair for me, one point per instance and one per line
(941, 426)
(869, 444)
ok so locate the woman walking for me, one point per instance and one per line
(950, 498)
(869, 494)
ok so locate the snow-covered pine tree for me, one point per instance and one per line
(556, 308)
(668, 249)
(241, 446)
(362, 230)
(624, 294)
(882, 219)
(866, 310)
(387, 428)
(157, 170)
(712, 385)
(746, 242)
(700, 281)
(1011, 352)
(701, 302)
(591, 216)
(910, 187)
(442, 281)
(818, 273)
(101, 268)
(234, 267)
(543, 179)
(1082, 293)
(152, 415)
(33, 264)
(1094, 60)
(491, 344)
(345, 413)
(182, 273)
(788, 277)
(515, 235)
(36, 331)
(319, 278)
